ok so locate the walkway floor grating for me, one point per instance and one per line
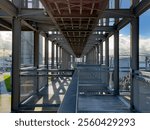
(102, 104)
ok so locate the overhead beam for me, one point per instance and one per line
(75, 37)
(12, 10)
(104, 28)
(142, 7)
(108, 13)
(122, 23)
(119, 26)
(5, 24)
(76, 16)
(45, 28)
(34, 14)
(55, 37)
(76, 30)
(3, 29)
(138, 10)
(8, 7)
(117, 13)
(3, 14)
(28, 25)
(75, 24)
(73, 1)
(97, 36)
(69, 7)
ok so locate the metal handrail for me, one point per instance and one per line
(46, 75)
(28, 69)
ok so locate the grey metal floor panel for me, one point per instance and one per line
(101, 104)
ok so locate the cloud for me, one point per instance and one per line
(5, 43)
(6, 40)
(124, 45)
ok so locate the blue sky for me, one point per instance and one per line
(125, 30)
(145, 24)
(144, 35)
(123, 3)
(144, 19)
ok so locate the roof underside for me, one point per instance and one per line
(75, 19)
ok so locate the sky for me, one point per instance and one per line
(144, 41)
(145, 24)
(5, 43)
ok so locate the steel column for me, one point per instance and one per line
(97, 56)
(101, 53)
(69, 61)
(107, 52)
(89, 55)
(36, 58)
(107, 44)
(46, 56)
(87, 58)
(36, 49)
(134, 53)
(73, 61)
(92, 56)
(46, 52)
(107, 59)
(57, 56)
(16, 54)
(60, 56)
(116, 55)
(52, 55)
(116, 63)
(63, 58)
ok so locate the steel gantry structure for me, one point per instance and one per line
(76, 29)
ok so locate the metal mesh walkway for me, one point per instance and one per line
(89, 92)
